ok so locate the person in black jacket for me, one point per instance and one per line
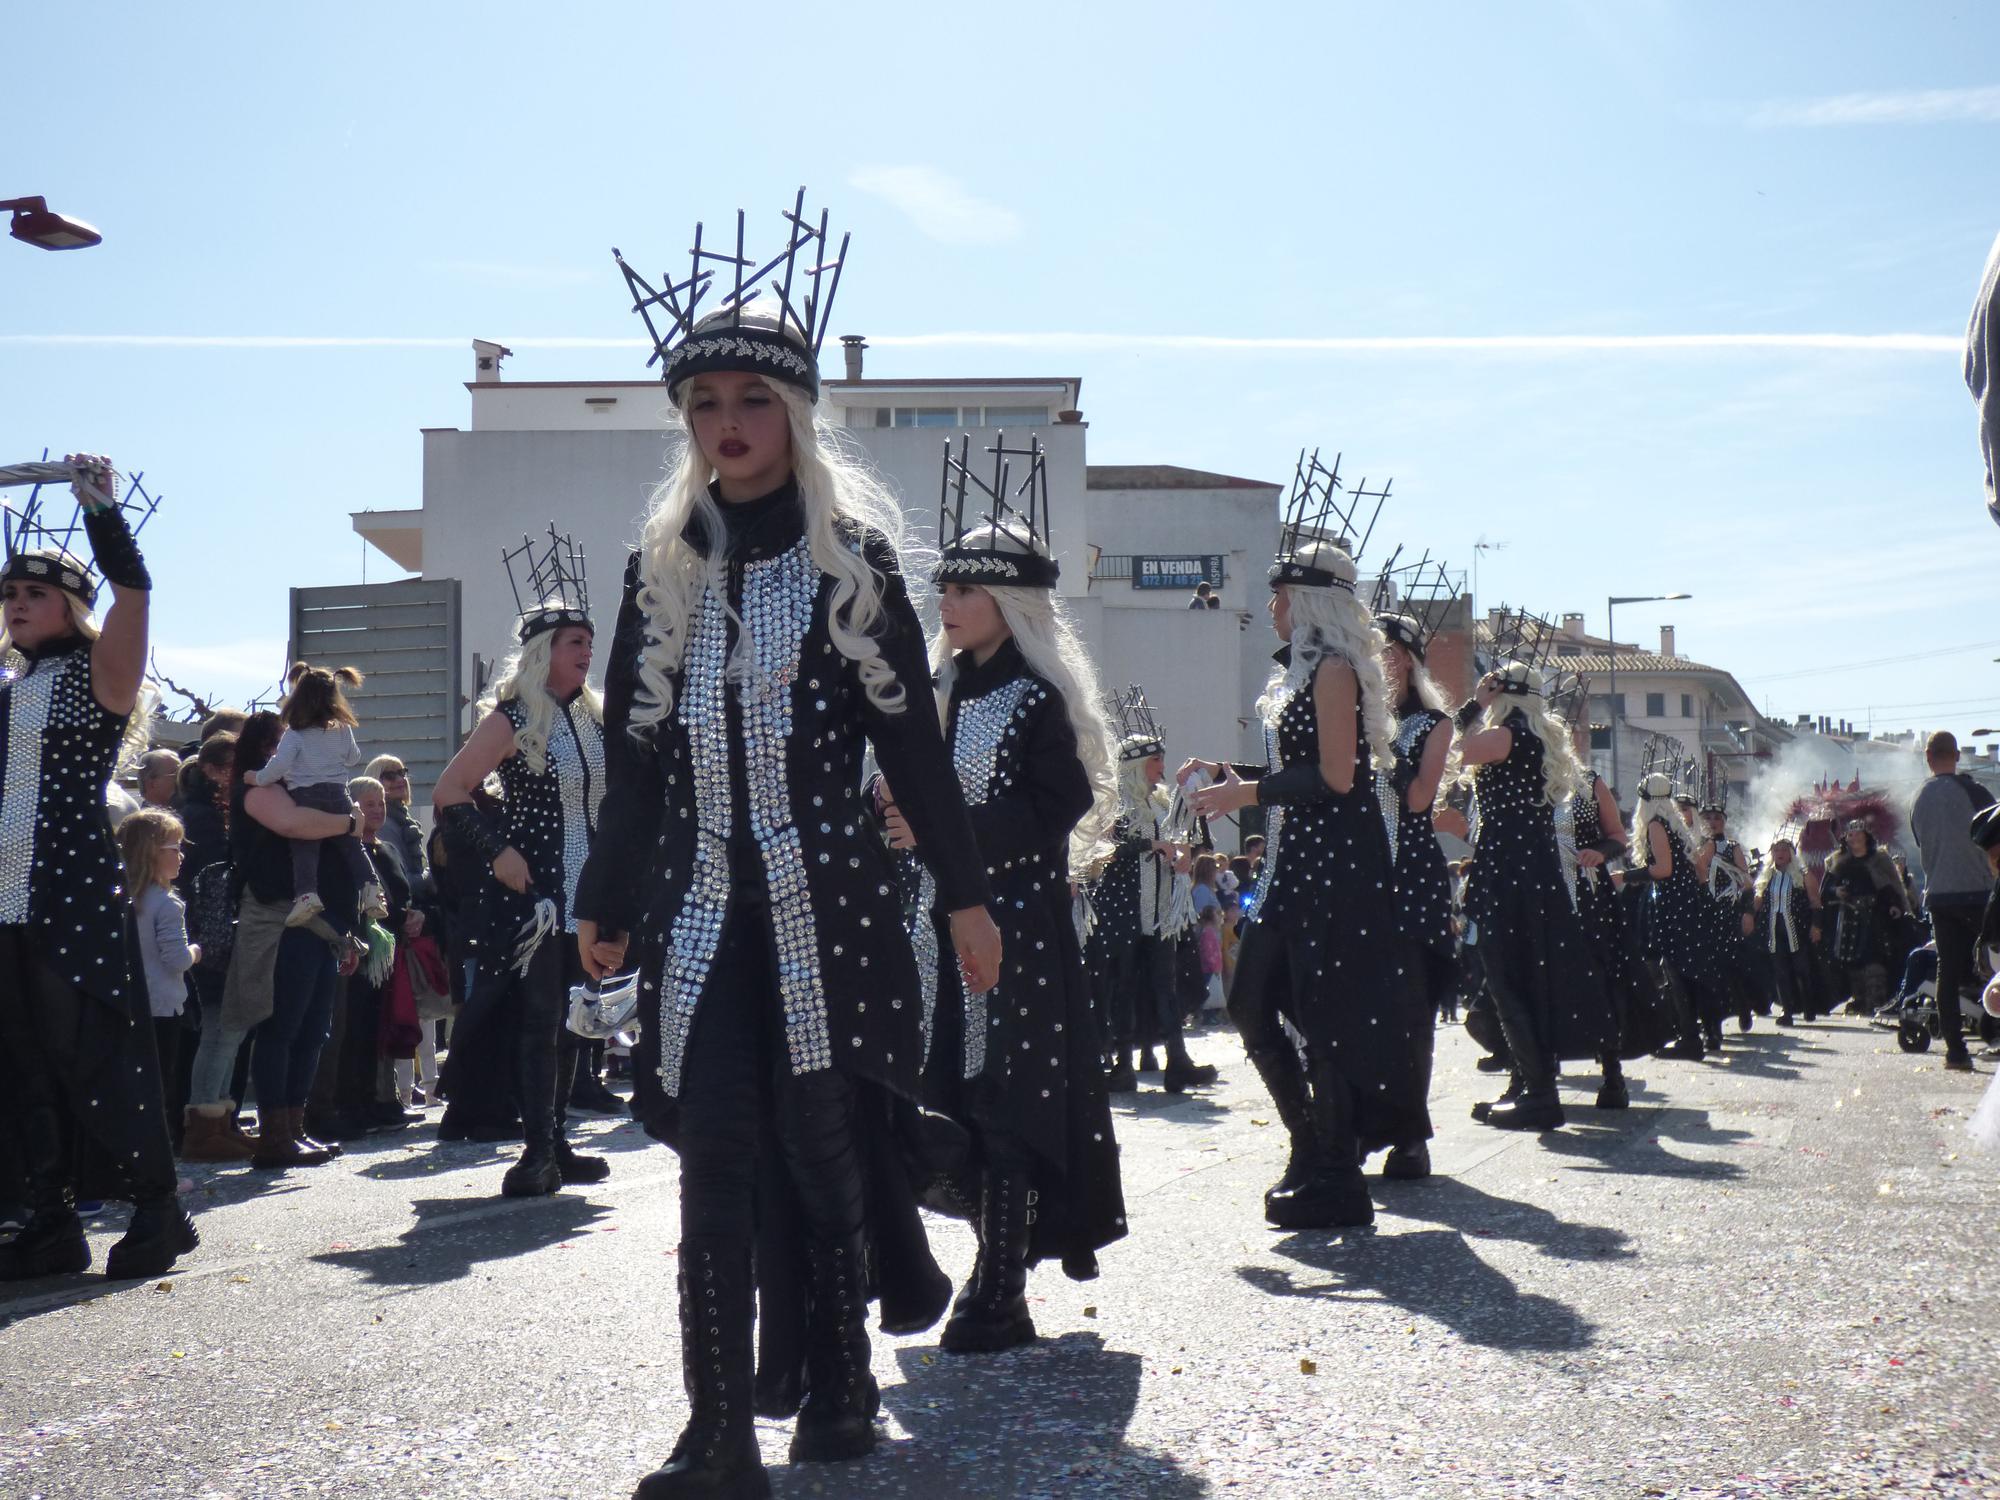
(1020, 1064)
(737, 861)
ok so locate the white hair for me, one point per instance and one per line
(1048, 641)
(1656, 800)
(1563, 774)
(524, 678)
(1330, 624)
(835, 484)
(1424, 688)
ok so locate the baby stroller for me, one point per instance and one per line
(1914, 1011)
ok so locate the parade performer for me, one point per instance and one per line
(1547, 991)
(542, 732)
(1325, 953)
(1591, 832)
(1728, 886)
(1787, 907)
(1135, 904)
(1861, 883)
(78, 1068)
(1423, 739)
(1035, 758)
(736, 855)
(1678, 938)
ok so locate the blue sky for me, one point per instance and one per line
(1482, 225)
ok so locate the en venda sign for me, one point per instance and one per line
(1176, 572)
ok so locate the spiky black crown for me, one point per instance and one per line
(550, 590)
(1568, 698)
(1670, 758)
(1320, 509)
(40, 546)
(1139, 735)
(781, 339)
(1520, 636)
(1008, 546)
(1412, 601)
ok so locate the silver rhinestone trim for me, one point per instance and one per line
(28, 702)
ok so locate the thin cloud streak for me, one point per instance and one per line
(940, 206)
(1086, 342)
(1904, 107)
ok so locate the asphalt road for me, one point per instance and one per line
(1775, 1275)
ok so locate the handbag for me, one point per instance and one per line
(608, 1014)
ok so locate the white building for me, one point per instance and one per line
(1131, 540)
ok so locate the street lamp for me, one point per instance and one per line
(34, 224)
(1611, 634)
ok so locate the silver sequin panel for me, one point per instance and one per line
(975, 749)
(1274, 818)
(698, 925)
(1565, 817)
(778, 598)
(578, 758)
(28, 703)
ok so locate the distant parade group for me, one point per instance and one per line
(886, 917)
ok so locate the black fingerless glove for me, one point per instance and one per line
(115, 550)
(469, 826)
(1467, 712)
(1295, 786)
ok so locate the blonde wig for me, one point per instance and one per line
(835, 486)
(1330, 624)
(1563, 774)
(524, 678)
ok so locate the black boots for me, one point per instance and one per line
(1409, 1163)
(159, 1234)
(1613, 1094)
(587, 1090)
(1183, 1072)
(716, 1456)
(991, 1314)
(1285, 1078)
(546, 1069)
(837, 1419)
(52, 1244)
(1535, 1105)
(1123, 1078)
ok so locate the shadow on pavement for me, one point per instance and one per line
(1434, 1272)
(430, 1253)
(1048, 1419)
(1643, 1150)
(1459, 1205)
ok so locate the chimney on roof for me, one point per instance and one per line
(852, 347)
(1667, 640)
(1572, 624)
(486, 357)
(1494, 617)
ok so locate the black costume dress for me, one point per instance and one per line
(1679, 934)
(1423, 886)
(1020, 1063)
(509, 1047)
(776, 973)
(1326, 952)
(1645, 1022)
(1538, 963)
(1133, 901)
(76, 1036)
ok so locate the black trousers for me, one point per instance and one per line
(1956, 929)
(80, 1084)
(738, 1092)
(506, 1012)
(1145, 1010)
(1791, 979)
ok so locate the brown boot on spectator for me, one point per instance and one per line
(210, 1136)
(278, 1143)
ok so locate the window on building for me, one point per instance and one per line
(1687, 705)
(927, 416)
(1010, 416)
(1600, 737)
(1569, 651)
(1656, 705)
